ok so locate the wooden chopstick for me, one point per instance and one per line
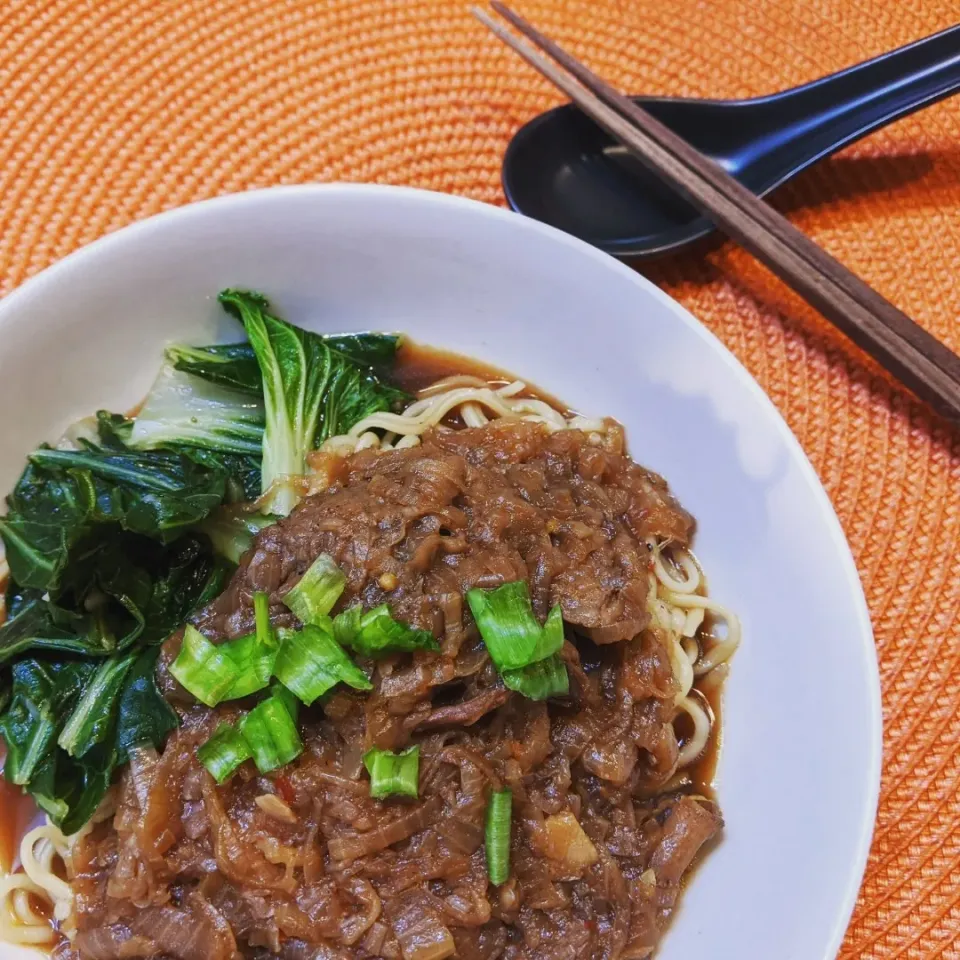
(915, 357)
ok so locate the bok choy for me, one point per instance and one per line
(310, 392)
(183, 410)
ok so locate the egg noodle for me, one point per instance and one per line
(36, 901)
(477, 403)
(43, 853)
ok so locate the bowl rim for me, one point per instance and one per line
(35, 286)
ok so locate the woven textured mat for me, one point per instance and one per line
(111, 110)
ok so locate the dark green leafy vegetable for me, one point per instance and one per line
(271, 734)
(109, 718)
(317, 591)
(39, 624)
(498, 836)
(71, 790)
(371, 351)
(232, 365)
(311, 662)
(143, 716)
(241, 468)
(118, 591)
(393, 774)
(513, 637)
(91, 721)
(67, 498)
(235, 365)
(43, 695)
(543, 679)
(186, 576)
(376, 633)
(115, 539)
(310, 393)
(224, 752)
(296, 369)
(155, 493)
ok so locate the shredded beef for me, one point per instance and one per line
(187, 868)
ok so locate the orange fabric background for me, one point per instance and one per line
(111, 110)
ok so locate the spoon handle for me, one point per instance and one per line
(824, 115)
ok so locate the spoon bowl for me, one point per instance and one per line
(562, 169)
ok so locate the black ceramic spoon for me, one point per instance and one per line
(561, 168)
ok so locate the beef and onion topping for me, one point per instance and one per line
(339, 647)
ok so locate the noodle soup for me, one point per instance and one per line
(352, 647)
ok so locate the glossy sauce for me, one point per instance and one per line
(417, 367)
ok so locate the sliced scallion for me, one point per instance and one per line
(513, 637)
(346, 625)
(277, 689)
(271, 734)
(261, 613)
(203, 669)
(393, 774)
(318, 590)
(543, 679)
(311, 662)
(498, 836)
(224, 752)
(254, 662)
(376, 632)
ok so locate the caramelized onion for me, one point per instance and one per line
(351, 847)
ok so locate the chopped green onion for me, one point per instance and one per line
(498, 836)
(254, 662)
(92, 718)
(393, 774)
(376, 633)
(318, 590)
(224, 752)
(553, 630)
(261, 613)
(204, 669)
(513, 637)
(271, 734)
(543, 679)
(311, 662)
(277, 689)
(346, 625)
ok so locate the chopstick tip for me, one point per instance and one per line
(480, 14)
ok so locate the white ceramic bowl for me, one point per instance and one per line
(799, 770)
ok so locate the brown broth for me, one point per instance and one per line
(418, 366)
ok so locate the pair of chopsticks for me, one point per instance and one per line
(915, 357)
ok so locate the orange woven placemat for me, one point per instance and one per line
(111, 110)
